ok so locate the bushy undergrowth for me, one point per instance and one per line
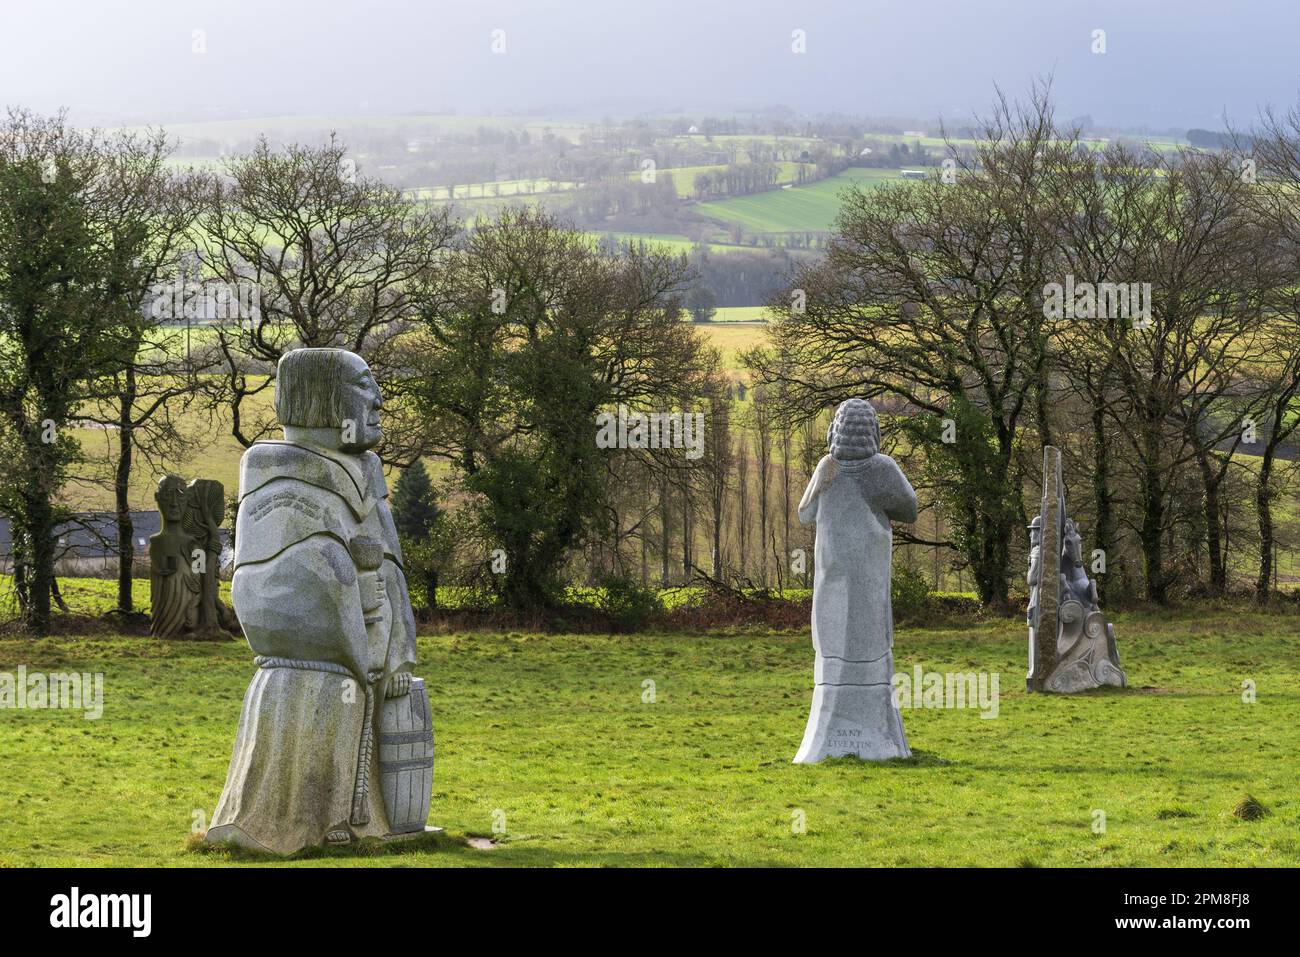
(909, 593)
(616, 604)
(629, 604)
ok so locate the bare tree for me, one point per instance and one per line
(786, 441)
(1179, 373)
(763, 416)
(150, 211)
(931, 293)
(742, 504)
(337, 259)
(718, 463)
(65, 274)
(1276, 155)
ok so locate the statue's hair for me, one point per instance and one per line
(309, 388)
(854, 432)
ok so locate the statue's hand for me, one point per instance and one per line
(399, 684)
(821, 480)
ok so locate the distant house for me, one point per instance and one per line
(913, 173)
(920, 133)
(89, 545)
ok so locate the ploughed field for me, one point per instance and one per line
(551, 750)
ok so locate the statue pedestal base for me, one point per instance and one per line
(234, 834)
(411, 835)
(859, 721)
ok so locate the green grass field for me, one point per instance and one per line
(672, 242)
(741, 314)
(675, 242)
(550, 737)
(810, 208)
(503, 189)
(731, 338)
(683, 177)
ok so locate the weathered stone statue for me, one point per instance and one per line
(205, 501)
(335, 741)
(183, 565)
(855, 492)
(1071, 644)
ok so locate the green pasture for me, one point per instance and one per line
(552, 751)
(811, 208)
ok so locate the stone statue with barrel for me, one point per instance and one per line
(1071, 643)
(335, 741)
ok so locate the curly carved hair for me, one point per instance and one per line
(854, 432)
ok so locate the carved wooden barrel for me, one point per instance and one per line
(406, 759)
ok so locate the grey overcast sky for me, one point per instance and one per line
(1168, 63)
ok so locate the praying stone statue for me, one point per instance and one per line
(183, 561)
(854, 495)
(335, 742)
(1071, 644)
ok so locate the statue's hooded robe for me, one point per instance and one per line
(297, 591)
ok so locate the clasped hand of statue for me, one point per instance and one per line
(822, 478)
(398, 685)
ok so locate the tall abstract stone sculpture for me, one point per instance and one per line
(1071, 644)
(183, 561)
(334, 742)
(854, 494)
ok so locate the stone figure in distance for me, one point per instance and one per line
(183, 561)
(1071, 643)
(855, 493)
(334, 742)
(205, 508)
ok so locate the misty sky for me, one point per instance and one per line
(1169, 63)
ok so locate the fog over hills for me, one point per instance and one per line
(1168, 64)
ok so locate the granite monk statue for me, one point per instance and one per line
(184, 561)
(334, 743)
(855, 493)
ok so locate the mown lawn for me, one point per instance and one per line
(549, 737)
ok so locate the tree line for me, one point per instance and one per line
(1136, 309)
(499, 343)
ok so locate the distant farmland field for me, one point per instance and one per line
(683, 177)
(732, 338)
(741, 314)
(490, 190)
(810, 208)
(673, 242)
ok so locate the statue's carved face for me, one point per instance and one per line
(361, 404)
(171, 500)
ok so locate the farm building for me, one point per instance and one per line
(88, 544)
